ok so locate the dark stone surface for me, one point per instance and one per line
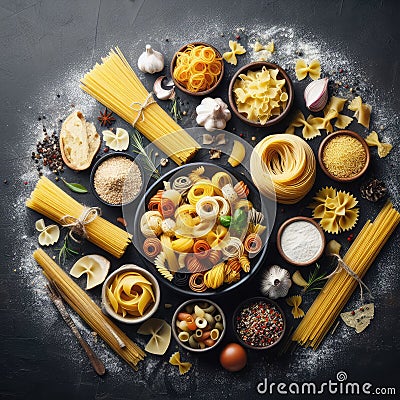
(40, 42)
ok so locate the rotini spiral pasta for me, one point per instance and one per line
(214, 278)
(152, 247)
(233, 264)
(244, 263)
(196, 282)
(159, 263)
(241, 190)
(197, 175)
(231, 277)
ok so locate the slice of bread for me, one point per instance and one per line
(79, 141)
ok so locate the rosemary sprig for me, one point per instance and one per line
(175, 109)
(314, 280)
(65, 251)
(148, 157)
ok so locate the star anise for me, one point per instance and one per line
(106, 118)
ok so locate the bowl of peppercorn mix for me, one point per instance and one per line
(344, 156)
(259, 323)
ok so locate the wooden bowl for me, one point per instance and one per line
(282, 253)
(183, 88)
(255, 66)
(326, 141)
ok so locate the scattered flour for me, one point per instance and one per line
(290, 43)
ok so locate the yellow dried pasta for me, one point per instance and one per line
(335, 209)
(184, 367)
(313, 69)
(383, 148)
(260, 95)
(295, 302)
(362, 111)
(236, 49)
(283, 167)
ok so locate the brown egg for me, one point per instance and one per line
(233, 357)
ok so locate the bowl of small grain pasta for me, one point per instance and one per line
(198, 325)
(344, 156)
(117, 179)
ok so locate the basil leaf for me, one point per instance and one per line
(75, 187)
(225, 220)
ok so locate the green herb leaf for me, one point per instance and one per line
(75, 187)
(225, 220)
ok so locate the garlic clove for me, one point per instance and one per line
(160, 92)
(316, 95)
(213, 114)
(151, 61)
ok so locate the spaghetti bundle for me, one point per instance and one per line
(48, 199)
(197, 68)
(284, 166)
(114, 84)
(82, 304)
(337, 291)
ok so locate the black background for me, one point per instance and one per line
(39, 42)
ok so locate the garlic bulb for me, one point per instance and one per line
(276, 282)
(316, 95)
(151, 61)
(212, 114)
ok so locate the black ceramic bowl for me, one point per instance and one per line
(254, 197)
(248, 302)
(107, 157)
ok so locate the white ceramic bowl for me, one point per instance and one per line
(130, 319)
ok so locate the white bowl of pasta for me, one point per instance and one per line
(130, 294)
(198, 325)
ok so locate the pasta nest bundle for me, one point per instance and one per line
(283, 167)
(197, 68)
(206, 233)
(335, 209)
(260, 95)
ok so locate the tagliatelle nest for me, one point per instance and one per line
(335, 209)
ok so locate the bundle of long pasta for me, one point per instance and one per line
(114, 84)
(338, 289)
(48, 199)
(89, 311)
(284, 166)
